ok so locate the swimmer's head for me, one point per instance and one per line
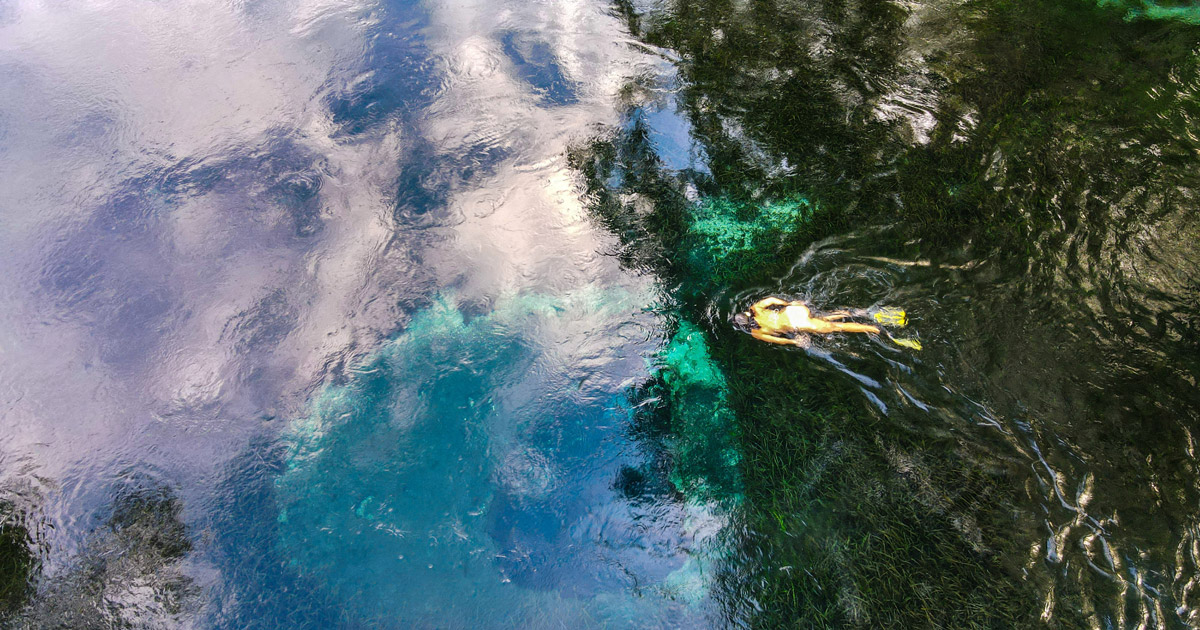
(744, 321)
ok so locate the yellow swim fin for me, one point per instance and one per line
(891, 317)
(907, 343)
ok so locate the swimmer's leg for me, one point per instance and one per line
(844, 314)
(854, 328)
(911, 343)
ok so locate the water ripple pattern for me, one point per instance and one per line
(287, 256)
(397, 314)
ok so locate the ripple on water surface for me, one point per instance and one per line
(461, 478)
(303, 320)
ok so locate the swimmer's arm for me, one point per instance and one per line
(769, 302)
(783, 341)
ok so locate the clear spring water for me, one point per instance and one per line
(307, 319)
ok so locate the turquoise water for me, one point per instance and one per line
(462, 478)
(355, 314)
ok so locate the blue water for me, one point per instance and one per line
(465, 475)
(320, 270)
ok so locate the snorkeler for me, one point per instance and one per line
(789, 323)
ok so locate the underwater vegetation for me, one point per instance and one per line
(725, 239)
(374, 269)
(128, 573)
(703, 450)
(1025, 146)
(821, 490)
(1187, 12)
(19, 559)
(704, 245)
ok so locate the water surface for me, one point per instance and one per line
(397, 314)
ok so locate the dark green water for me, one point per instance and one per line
(1022, 178)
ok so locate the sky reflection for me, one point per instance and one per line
(216, 214)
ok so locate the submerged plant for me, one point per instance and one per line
(1186, 12)
(130, 572)
(727, 241)
(703, 431)
(19, 560)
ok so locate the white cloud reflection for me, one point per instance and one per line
(135, 214)
(195, 237)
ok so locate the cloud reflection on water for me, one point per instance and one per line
(210, 209)
(160, 210)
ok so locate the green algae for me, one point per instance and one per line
(831, 534)
(129, 572)
(706, 244)
(854, 521)
(704, 436)
(1047, 114)
(848, 519)
(1185, 12)
(727, 240)
(19, 562)
(683, 414)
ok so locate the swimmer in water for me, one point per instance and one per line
(790, 323)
